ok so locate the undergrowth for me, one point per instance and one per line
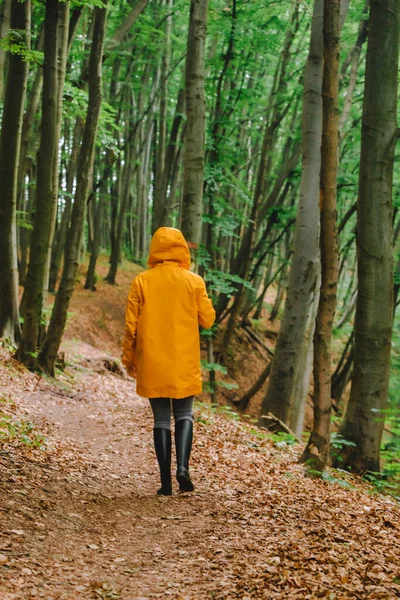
(18, 431)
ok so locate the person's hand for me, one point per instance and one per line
(131, 370)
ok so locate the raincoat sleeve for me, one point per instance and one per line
(132, 315)
(206, 312)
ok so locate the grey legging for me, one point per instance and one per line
(161, 407)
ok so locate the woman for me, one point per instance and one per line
(166, 305)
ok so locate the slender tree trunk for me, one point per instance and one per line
(124, 194)
(25, 233)
(304, 264)
(34, 100)
(90, 283)
(275, 116)
(303, 374)
(59, 242)
(244, 401)
(173, 161)
(29, 117)
(159, 198)
(32, 302)
(280, 294)
(342, 374)
(353, 62)
(317, 451)
(144, 193)
(364, 419)
(128, 22)
(62, 49)
(9, 155)
(193, 158)
(49, 350)
(5, 10)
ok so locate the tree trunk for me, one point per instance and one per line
(124, 195)
(317, 451)
(364, 419)
(275, 116)
(342, 374)
(29, 117)
(4, 28)
(62, 49)
(280, 294)
(49, 350)
(90, 283)
(304, 266)
(59, 242)
(25, 232)
(32, 302)
(128, 22)
(159, 197)
(173, 160)
(353, 62)
(193, 158)
(303, 374)
(9, 155)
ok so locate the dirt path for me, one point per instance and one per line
(82, 520)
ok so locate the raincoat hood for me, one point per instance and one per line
(169, 244)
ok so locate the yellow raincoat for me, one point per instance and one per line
(166, 304)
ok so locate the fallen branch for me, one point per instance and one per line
(255, 338)
(275, 425)
(244, 401)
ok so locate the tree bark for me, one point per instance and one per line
(5, 10)
(90, 283)
(10, 141)
(193, 158)
(62, 52)
(126, 174)
(275, 116)
(32, 302)
(317, 450)
(59, 242)
(49, 350)
(128, 22)
(364, 419)
(159, 196)
(353, 62)
(29, 117)
(303, 374)
(304, 265)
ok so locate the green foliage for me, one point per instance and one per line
(19, 431)
(326, 476)
(228, 411)
(75, 101)
(225, 283)
(88, 3)
(208, 366)
(15, 43)
(23, 219)
(283, 439)
(108, 128)
(338, 443)
(6, 343)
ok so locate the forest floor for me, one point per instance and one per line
(79, 517)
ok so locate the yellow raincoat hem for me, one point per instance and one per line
(168, 392)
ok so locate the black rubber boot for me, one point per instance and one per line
(162, 445)
(183, 444)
